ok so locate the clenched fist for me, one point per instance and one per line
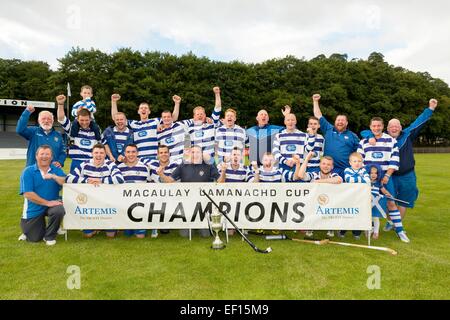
(316, 97)
(176, 99)
(216, 90)
(115, 97)
(61, 99)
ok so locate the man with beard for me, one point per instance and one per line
(340, 142)
(44, 134)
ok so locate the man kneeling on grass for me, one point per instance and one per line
(96, 172)
(40, 185)
(325, 175)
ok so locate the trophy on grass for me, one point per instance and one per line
(216, 226)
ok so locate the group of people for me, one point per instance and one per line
(208, 149)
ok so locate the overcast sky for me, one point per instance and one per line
(412, 34)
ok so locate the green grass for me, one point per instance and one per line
(171, 267)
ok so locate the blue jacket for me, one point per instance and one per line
(405, 141)
(37, 137)
(338, 145)
(261, 140)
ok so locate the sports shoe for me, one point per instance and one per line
(22, 237)
(330, 234)
(403, 237)
(61, 231)
(356, 237)
(154, 233)
(50, 242)
(389, 226)
(341, 234)
(309, 234)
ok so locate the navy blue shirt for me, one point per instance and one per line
(188, 172)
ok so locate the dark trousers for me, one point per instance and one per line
(36, 229)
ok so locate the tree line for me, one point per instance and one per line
(359, 88)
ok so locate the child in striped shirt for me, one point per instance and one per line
(87, 103)
(356, 173)
(313, 126)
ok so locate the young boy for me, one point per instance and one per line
(324, 175)
(86, 93)
(355, 174)
(313, 127)
(379, 203)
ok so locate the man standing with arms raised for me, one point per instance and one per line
(145, 129)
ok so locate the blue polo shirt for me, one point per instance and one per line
(31, 181)
(338, 145)
(37, 137)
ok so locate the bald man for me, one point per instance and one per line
(405, 178)
(262, 136)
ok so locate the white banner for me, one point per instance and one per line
(272, 206)
(25, 103)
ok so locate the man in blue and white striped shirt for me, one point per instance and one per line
(269, 173)
(384, 153)
(172, 134)
(202, 133)
(132, 168)
(229, 136)
(145, 129)
(134, 171)
(235, 171)
(97, 171)
(117, 138)
(290, 142)
(84, 139)
(164, 161)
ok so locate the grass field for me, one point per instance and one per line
(170, 267)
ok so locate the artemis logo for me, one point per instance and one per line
(323, 199)
(82, 198)
(95, 211)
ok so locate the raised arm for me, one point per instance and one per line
(316, 107)
(60, 113)
(22, 124)
(176, 107)
(300, 172)
(217, 106)
(114, 98)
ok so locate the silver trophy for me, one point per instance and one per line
(216, 226)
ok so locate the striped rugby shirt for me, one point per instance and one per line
(275, 175)
(311, 176)
(81, 149)
(242, 174)
(107, 172)
(384, 153)
(139, 173)
(174, 137)
(286, 144)
(203, 135)
(120, 137)
(228, 138)
(359, 176)
(153, 166)
(145, 136)
(318, 149)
